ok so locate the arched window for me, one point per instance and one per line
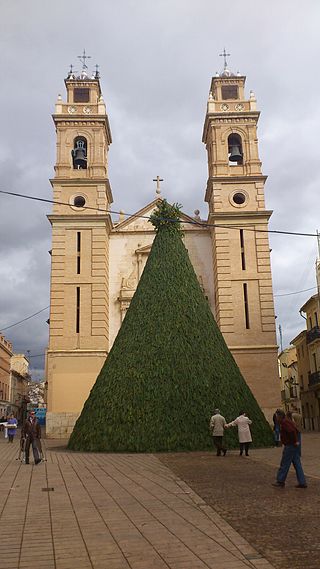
(79, 153)
(235, 152)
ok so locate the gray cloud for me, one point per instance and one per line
(156, 61)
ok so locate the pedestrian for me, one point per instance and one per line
(217, 425)
(11, 429)
(290, 454)
(244, 433)
(31, 432)
(298, 421)
(5, 427)
(276, 430)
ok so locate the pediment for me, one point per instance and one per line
(139, 220)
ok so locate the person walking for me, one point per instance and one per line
(217, 425)
(31, 432)
(290, 454)
(244, 433)
(276, 430)
(11, 429)
(298, 421)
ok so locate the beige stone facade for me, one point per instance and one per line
(97, 263)
(5, 357)
(19, 385)
(307, 345)
(289, 379)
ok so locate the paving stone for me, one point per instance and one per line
(111, 511)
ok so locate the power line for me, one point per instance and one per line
(24, 319)
(43, 309)
(297, 292)
(195, 222)
(36, 356)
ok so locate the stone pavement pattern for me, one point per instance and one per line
(109, 511)
(281, 524)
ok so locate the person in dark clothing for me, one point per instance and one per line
(290, 455)
(31, 432)
(276, 430)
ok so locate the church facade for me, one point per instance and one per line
(97, 263)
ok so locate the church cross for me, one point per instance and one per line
(224, 54)
(83, 58)
(158, 180)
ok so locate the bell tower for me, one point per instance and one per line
(244, 308)
(81, 224)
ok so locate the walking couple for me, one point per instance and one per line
(218, 424)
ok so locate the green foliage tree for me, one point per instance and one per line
(169, 365)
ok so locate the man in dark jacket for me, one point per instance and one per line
(31, 432)
(290, 455)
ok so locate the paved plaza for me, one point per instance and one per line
(121, 511)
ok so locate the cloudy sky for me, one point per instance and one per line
(156, 60)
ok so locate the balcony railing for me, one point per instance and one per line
(313, 334)
(314, 378)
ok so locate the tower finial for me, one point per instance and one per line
(224, 54)
(83, 58)
(70, 74)
(158, 180)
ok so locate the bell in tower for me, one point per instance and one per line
(235, 149)
(79, 154)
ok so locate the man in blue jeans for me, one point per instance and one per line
(290, 455)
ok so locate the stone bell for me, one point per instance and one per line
(235, 154)
(79, 155)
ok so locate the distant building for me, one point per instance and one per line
(19, 383)
(290, 387)
(5, 358)
(307, 345)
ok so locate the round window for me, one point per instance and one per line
(79, 201)
(239, 198)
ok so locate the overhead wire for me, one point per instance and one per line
(192, 222)
(296, 292)
(199, 223)
(24, 319)
(46, 308)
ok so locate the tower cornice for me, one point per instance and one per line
(81, 219)
(242, 214)
(232, 117)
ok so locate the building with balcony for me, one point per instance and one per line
(289, 380)
(5, 357)
(307, 345)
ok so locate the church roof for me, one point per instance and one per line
(139, 221)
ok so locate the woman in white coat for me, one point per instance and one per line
(244, 434)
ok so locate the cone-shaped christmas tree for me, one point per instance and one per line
(169, 365)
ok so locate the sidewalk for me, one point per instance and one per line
(282, 524)
(109, 511)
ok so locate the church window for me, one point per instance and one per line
(235, 152)
(79, 153)
(78, 251)
(243, 258)
(79, 201)
(239, 198)
(77, 310)
(229, 92)
(81, 95)
(246, 305)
